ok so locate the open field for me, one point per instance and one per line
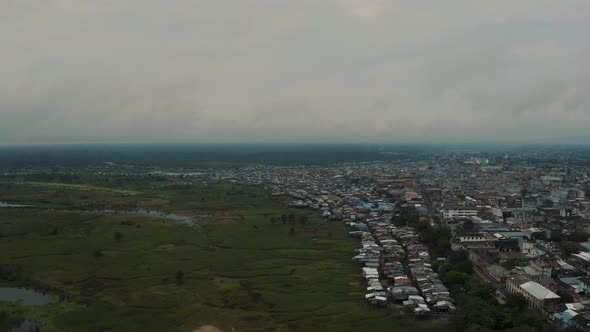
(82, 187)
(120, 272)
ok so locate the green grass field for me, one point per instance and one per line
(81, 187)
(240, 271)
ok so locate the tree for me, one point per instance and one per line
(468, 225)
(579, 236)
(569, 247)
(459, 261)
(540, 236)
(411, 217)
(443, 246)
(454, 277)
(565, 296)
(273, 220)
(97, 253)
(179, 276)
(481, 289)
(118, 236)
(572, 329)
(292, 231)
(516, 302)
(476, 328)
(398, 221)
(303, 220)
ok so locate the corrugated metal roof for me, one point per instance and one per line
(538, 291)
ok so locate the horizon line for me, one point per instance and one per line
(283, 143)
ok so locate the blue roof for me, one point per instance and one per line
(371, 206)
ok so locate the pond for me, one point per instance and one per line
(27, 326)
(156, 214)
(24, 296)
(169, 216)
(7, 205)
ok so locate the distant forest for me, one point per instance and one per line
(239, 154)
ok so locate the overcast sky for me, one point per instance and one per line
(220, 71)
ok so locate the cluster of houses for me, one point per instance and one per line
(396, 268)
(369, 257)
(434, 294)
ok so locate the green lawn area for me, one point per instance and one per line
(82, 187)
(240, 271)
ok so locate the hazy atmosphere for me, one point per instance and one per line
(218, 71)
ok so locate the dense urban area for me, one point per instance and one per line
(489, 240)
(521, 222)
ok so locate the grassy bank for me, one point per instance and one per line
(235, 268)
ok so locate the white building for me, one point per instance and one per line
(459, 212)
(534, 293)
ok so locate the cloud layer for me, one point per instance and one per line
(391, 71)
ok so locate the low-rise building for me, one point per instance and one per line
(537, 295)
(458, 212)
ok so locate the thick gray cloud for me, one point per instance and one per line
(295, 71)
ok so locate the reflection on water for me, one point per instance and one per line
(169, 216)
(24, 296)
(155, 213)
(7, 205)
(27, 326)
